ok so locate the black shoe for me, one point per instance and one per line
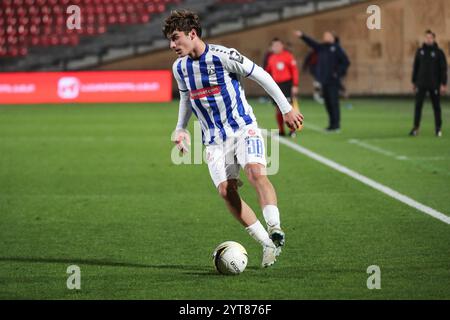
(281, 134)
(414, 132)
(438, 133)
(333, 129)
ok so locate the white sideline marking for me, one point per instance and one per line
(376, 149)
(388, 153)
(367, 181)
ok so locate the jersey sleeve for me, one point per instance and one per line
(184, 111)
(178, 75)
(269, 85)
(238, 63)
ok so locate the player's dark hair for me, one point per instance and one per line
(182, 20)
(431, 32)
(276, 39)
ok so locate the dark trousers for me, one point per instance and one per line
(331, 97)
(436, 102)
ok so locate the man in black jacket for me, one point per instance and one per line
(331, 67)
(429, 75)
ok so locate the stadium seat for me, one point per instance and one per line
(42, 22)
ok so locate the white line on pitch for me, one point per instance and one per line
(367, 181)
(376, 149)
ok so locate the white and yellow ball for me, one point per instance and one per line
(230, 258)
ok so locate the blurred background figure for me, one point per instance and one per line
(281, 65)
(267, 55)
(332, 65)
(343, 92)
(429, 76)
(310, 65)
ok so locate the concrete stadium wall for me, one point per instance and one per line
(381, 59)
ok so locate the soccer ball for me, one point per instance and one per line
(230, 258)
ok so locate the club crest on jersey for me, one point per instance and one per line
(211, 71)
(251, 132)
(236, 56)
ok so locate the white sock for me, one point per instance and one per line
(272, 216)
(260, 234)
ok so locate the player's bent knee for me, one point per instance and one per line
(227, 189)
(255, 172)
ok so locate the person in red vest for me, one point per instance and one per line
(281, 65)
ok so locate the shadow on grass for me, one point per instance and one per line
(212, 272)
(105, 263)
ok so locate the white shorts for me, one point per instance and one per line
(225, 159)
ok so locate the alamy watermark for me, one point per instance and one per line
(233, 148)
(74, 279)
(374, 20)
(74, 19)
(374, 280)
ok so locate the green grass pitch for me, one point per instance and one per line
(94, 186)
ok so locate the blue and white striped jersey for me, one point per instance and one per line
(215, 91)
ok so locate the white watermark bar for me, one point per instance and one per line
(198, 155)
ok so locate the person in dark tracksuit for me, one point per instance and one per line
(331, 67)
(429, 76)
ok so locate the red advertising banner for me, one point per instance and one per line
(85, 86)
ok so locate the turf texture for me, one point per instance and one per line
(94, 186)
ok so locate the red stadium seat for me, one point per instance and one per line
(22, 30)
(54, 40)
(11, 21)
(34, 40)
(109, 9)
(99, 9)
(122, 18)
(101, 29)
(60, 20)
(47, 30)
(13, 52)
(145, 18)
(112, 19)
(74, 40)
(11, 30)
(23, 51)
(24, 21)
(3, 51)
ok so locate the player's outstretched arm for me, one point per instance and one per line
(237, 63)
(309, 41)
(292, 117)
